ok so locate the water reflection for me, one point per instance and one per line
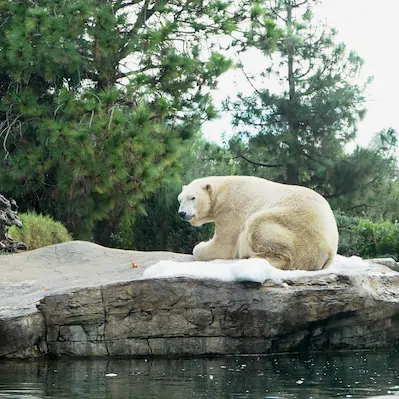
(321, 376)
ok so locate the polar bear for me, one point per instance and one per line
(292, 227)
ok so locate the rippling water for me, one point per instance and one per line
(321, 376)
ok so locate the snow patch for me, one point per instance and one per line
(258, 270)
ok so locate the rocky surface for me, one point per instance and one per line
(80, 299)
(26, 278)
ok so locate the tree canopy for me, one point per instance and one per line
(97, 97)
(295, 134)
(102, 104)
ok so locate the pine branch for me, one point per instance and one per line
(298, 77)
(360, 206)
(128, 4)
(145, 14)
(351, 190)
(140, 70)
(297, 5)
(260, 163)
(5, 129)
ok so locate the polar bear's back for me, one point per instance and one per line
(255, 191)
(305, 212)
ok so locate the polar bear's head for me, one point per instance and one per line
(195, 203)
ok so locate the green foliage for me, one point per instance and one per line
(158, 226)
(161, 228)
(39, 231)
(296, 134)
(347, 244)
(102, 102)
(97, 99)
(366, 238)
(299, 134)
(364, 182)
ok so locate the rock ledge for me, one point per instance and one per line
(81, 299)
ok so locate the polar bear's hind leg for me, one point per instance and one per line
(264, 237)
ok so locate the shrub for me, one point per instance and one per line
(39, 231)
(366, 238)
(347, 226)
(160, 227)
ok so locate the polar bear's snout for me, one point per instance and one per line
(187, 208)
(194, 205)
(186, 211)
(185, 216)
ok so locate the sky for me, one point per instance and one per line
(368, 27)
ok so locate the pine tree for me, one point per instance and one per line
(364, 182)
(98, 97)
(297, 134)
(160, 227)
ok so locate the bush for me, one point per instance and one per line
(160, 227)
(366, 238)
(39, 231)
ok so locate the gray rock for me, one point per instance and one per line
(91, 302)
(388, 262)
(28, 277)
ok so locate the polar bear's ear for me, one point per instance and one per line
(183, 187)
(208, 188)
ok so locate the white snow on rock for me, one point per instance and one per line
(258, 270)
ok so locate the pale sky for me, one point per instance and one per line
(368, 27)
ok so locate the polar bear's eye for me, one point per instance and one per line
(192, 198)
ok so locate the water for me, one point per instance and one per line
(321, 376)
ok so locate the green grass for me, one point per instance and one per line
(39, 231)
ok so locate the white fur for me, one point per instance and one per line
(292, 227)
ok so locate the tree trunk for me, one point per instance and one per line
(292, 169)
(290, 54)
(8, 217)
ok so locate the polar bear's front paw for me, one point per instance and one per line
(201, 251)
